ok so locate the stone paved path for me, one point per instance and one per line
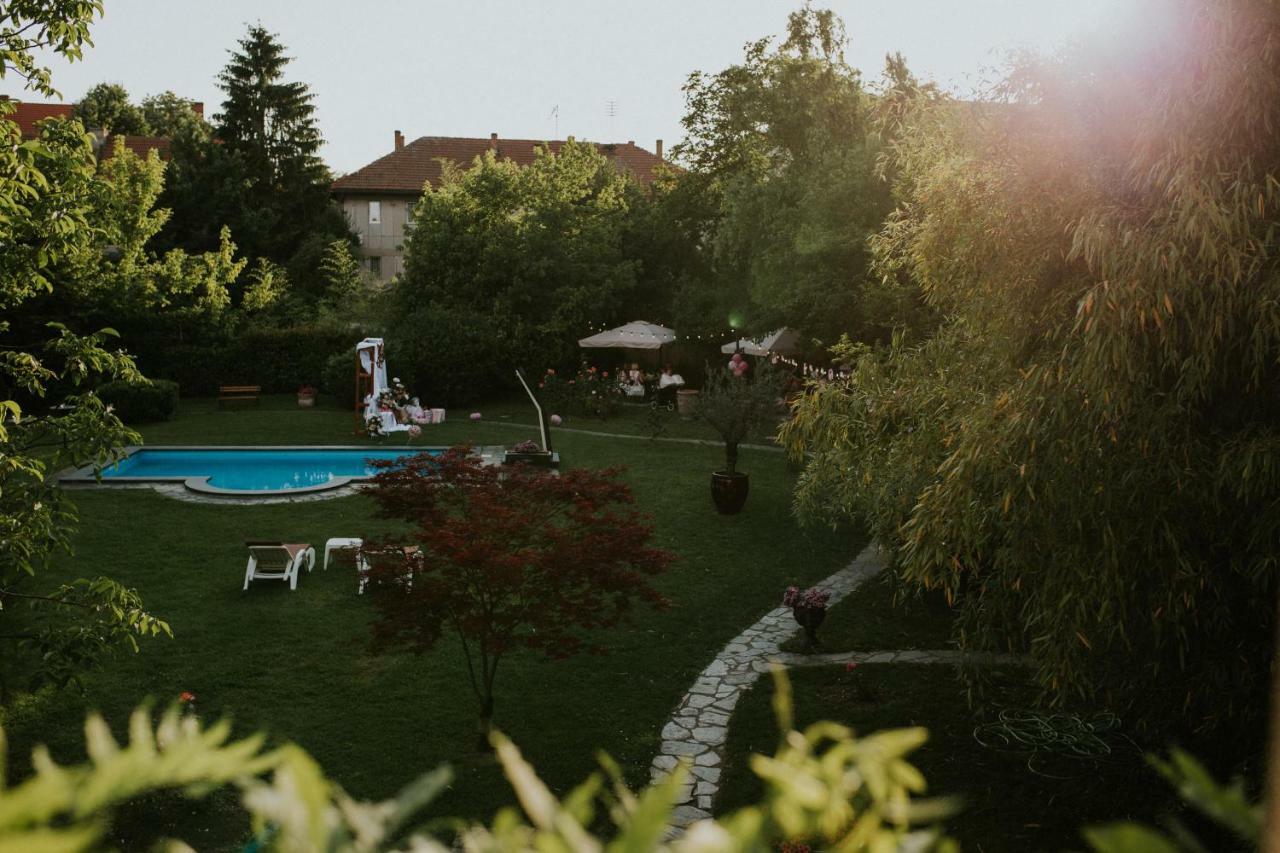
(698, 728)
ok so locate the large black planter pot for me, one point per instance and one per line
(729, 491)
(810, 618)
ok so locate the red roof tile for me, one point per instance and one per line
(139, 145)
(405, 171)
(28, 115)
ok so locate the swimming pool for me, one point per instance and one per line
(249, 470)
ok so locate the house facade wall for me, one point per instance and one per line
(383, 240)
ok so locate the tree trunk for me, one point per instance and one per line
(485, 725)
(731, 457)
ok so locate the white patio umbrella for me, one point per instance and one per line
(634, 335)
(784, 340)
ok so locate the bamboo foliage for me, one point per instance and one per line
(1084, 453)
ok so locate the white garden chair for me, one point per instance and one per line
(410, 554)
(278, 561)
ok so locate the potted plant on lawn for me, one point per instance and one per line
(530, 453)
(307, 396)
(809, 607)
(737, 406)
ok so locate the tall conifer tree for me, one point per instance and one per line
(263, 175)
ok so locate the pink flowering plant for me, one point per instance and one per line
(591, 391)
(394, 398)
(809, 599)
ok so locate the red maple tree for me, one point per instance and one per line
(506, 558)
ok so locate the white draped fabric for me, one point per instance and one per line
(784, 340)
(373, 361)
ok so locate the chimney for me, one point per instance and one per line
(399, 140)
(493, 142)
(657, 148)
(631, 142)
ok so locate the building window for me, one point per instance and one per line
(375, 266)
(375, 213)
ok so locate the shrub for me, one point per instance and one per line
(737, 407)
(590, 392)
(140, 402)
(452, 357)
(338, 379)
(278, 359)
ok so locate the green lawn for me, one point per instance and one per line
(1007, 806)
(631, 418)
(298, 665)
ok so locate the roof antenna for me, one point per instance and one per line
(555, 114)
(611, 110)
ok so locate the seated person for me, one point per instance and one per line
(633, 382)
(669, 378)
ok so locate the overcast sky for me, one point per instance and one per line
(470, 68)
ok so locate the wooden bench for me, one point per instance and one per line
(238, 393)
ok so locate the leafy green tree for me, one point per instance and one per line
(106, 106)
(168, 115)
(340, 272)
(204, 189)
(268, 285)
(49, 418)
(1083, 454)
(537, 253)
(783, 147)
(129, 282)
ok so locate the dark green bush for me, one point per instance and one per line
(278, 359)
(141, 402)
(339, 378)
(452, 357)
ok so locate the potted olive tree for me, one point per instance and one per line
(737, 406)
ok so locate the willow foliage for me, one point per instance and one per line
(1085, 454)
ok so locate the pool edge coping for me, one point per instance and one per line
(84, 475)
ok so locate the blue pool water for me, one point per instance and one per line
(254, 470)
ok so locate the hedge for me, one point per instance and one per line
(140, 402)
(280, 360)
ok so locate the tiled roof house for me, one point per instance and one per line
(378, 197)
(28, 116)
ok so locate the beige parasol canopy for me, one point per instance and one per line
(634, 335)
(782, 341)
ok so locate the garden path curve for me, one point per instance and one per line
(698, 729)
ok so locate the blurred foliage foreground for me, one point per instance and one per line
(823, 786)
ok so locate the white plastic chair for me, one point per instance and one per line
(278, 561)
(340, 544)
(409, 554)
